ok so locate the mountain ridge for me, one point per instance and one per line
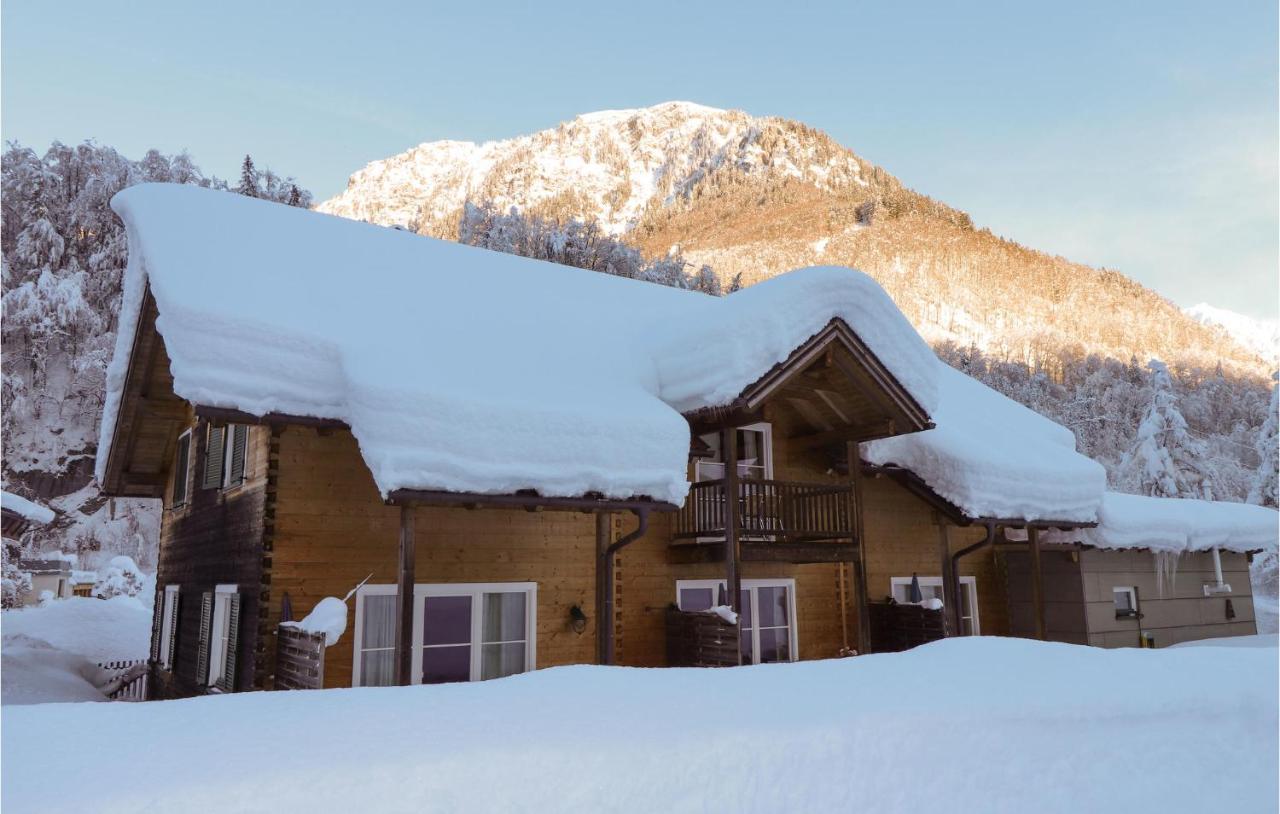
(757, 196)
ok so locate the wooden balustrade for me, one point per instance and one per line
(769, 509)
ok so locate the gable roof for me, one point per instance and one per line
(461, 369)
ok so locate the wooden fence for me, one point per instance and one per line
(896, 626)
(700, 639)
(299, 659)
(135, 690)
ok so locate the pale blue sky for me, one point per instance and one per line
(1139, 136)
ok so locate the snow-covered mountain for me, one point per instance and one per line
(757, 196)
(1260, 335)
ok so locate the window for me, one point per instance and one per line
(755, 454)
(767, 620)
(221, 620)
(461, 632)
(1126, 600)
(224, 460)
(180, 469)
(168, 631)
(931, 588)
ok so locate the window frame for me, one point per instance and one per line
(763, 427)
(178, 501)
(968, 584)
(751, 586)
(167, 619)
(476, 591)
(220, 633)
(1132, 592)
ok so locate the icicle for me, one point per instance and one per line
(1166, 569)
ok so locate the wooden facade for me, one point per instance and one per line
(307, 522)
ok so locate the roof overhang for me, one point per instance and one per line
(530, 501)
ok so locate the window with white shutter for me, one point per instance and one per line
(222, 638)
(169, 628)
(181, 469)
(237, 445)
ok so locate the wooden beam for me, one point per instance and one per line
(854, 433)
(950, 594)
(860, 597)
(604, 591)
(405, 599)
(1037, 583)
(227, 415)
(475, 500)
(732, 552)
(799, 553)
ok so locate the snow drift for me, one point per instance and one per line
(939, 728)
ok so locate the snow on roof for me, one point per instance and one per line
(1178, 525)
(459, 368)
(29, 509)
(994, 458)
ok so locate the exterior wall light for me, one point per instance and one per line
(577, 620)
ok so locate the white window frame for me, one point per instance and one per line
(220, 631)
(749, 585)
(763, 427)
(476, 590)
(968, 584)
(1132, 593)
(182, 500)
(166, 626)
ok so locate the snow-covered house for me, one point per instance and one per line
(19, 514)
(525, 465)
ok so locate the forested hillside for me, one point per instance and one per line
(63, 252)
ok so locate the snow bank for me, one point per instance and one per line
(459, 368)
(1261, 640)
(1198, 728)
(35, 672)
(28, 509)
(98, 629)
(994, 458)
(1177, 525)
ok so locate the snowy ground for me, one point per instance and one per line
(98, 629)
(981, 725)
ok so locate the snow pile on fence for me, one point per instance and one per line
(994, 458)
(101, 630)
(1177, 525)
(939, 728)
(459, 368)
(329, 617)
(36, 672)
(28, 509)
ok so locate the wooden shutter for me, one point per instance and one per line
(213, 458)
(227, 681)
(239, 443)
(181, 470)
(202, 652)
(173, 630)
(157, 618)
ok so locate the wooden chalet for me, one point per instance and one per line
(265, 514)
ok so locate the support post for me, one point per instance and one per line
(860, 564)
(604, 590)
(733, 577)
(1037, 581)
(404, 600)
(950, 596)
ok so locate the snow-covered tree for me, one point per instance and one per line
(1165, 460)
(1263, 488)
(248, 179)
(121, 577)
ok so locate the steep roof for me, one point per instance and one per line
(457, 368)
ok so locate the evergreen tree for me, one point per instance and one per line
(1165, 460)
(248, 179)
(295, 196)
(1263, 488)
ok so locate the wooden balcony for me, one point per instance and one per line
(780, 521)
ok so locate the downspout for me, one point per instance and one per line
(605, 621)
(1218, 586)
(989, 539)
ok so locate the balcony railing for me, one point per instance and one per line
(784, 511)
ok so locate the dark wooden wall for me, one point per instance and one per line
(216, 538)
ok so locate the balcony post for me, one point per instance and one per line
(405, 599)
(854, 460)
(1037, 582)
(733, 579)
(950, 593)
